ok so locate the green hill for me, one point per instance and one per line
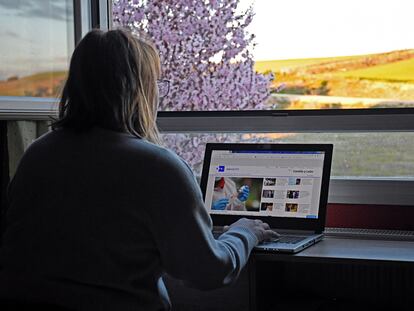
(389, 66)
(277, 65)
(387, 75)
(397, 71)
(44, 84)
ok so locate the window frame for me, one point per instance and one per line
(90, 14)
(327, 120)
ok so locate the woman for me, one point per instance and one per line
(98, 211)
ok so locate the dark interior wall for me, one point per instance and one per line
(391, 217)
(331, 286)
(4, 167)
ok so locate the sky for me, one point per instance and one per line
(322, 28)
(37, 35)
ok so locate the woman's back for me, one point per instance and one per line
(83, 219)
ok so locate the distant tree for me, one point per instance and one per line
(205, 53)
(12, 78)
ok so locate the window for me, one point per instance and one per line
(351, 54)
(293, 55)
(247, 70)
(40, 40)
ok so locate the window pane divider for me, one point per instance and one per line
(335, 120)
(288, 121)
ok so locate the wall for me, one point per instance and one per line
(391, 217)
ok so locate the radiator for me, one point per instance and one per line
(381, 234)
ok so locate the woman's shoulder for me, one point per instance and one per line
(45, 139)
(110, 142)
(162, 163)
(160, 155)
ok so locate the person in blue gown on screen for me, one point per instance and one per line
(226, 196)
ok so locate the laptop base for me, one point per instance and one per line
(280, 247)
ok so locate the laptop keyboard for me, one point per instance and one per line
(291, 239)
(283, 239)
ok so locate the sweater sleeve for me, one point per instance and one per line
(183, 231)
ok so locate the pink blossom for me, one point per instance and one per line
(205, 52)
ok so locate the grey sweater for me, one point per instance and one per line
(95, 220)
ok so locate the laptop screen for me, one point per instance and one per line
(273, 183)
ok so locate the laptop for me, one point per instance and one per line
(284, 185)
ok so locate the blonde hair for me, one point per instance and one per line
(146, 101)
(112, 83)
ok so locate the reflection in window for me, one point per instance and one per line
(223, 55)
(36, 42)
(355, 154)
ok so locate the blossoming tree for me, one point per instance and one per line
(205, 52)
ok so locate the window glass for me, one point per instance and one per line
(355, 154)
(37, 40)
(296, 54)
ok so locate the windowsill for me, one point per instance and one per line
(27, 108)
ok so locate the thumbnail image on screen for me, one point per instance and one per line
(237, 194)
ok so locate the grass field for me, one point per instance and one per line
(373, 66)
(355, 154)
(366, 154)
(398, 71)
(387, 75)
(45, 84)
(278, 65)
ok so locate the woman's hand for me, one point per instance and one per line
(259, 228)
